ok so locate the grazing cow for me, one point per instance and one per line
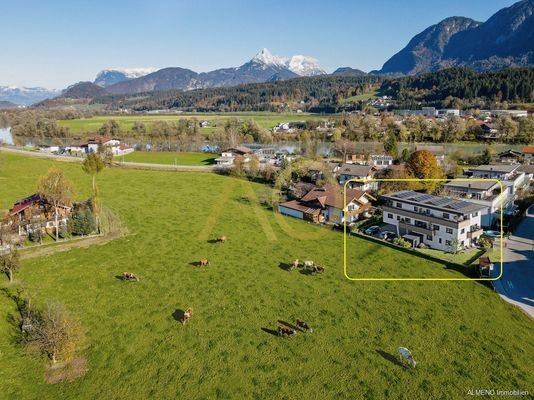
(295, 264)
(187, 314)
(221, 239)
(316, 269)
(406, 356)
(129, 276)
(285, 331)
(304, 326)
(204, 262)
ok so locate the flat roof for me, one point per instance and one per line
(443, 203)
(495, 168)
(476, 184)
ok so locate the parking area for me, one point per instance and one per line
(382, 231)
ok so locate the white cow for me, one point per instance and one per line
(405, 355)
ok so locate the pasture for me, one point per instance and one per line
(169, 157)
(460, 333)
(263, 119)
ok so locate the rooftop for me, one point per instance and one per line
(475, 184)
(445, 203)
(506, 168)
(356, 170)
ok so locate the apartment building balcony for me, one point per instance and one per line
(475, 232)
(424, 230)
(428, 218)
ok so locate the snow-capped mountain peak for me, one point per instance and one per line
(265, 57)
(108, 77)
(304, 66)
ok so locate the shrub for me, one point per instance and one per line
(485, 243)
(402, 242)
(36, 235)
(82, 221)
(423, 246)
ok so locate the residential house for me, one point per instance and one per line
(326, 205)
(528, 154)
(486, 193)
(441, 223)
(227, 157)
(375, 160)
(364, 173)
(509, 156)
(204, 124)
(35, 212)
(510, 113)
(488, 131)
(437, 151)
(448, 112)
(93, 143)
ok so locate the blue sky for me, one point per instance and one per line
(55, 43)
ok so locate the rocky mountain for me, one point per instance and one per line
(25, 95)
(7, 104)
(108, 77)
(348, 71)
(263, 67)
(83, 90)
(424, 52)
(504, 40)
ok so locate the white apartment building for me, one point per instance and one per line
(438, 222)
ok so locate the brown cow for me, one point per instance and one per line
(187, 314)
(204, 262)
(304, 326)
(285, 331)
(221, 239)
(129, 276)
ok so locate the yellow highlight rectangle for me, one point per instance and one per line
(416, 180)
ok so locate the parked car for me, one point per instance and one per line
(388, 235)
(373, 230)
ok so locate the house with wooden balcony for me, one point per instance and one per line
(440, 223)
(36, 212)
(326, 205)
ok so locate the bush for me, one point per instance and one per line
(36, 235)
(423, 246)
(483, 242)
(402, 242)
(82, 222)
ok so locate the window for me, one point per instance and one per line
(463, 230)
(435, 227)
(398, 205)
(398, 217)
(390, 216)
(448, 242)
(429, 237)
(448, 230)
(439, 240)
(445, 215)
(407, 220)
(415, 208)
(475, 214)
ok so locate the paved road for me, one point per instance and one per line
(517, 282)
(127, 164)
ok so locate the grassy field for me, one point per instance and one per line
(461, 333)
(373, 94)
(168, 157)
(263, 119)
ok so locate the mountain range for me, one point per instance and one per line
(505, 40)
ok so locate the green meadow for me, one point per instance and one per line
(169, 157)
(126, 122)
(462, 335)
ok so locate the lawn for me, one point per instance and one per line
(168, 157)
(373, 94)
(263, 119)
(461, 333)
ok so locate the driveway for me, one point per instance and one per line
(516, 285)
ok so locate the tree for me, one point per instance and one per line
(423, 165)
(57, 190)
(454, 246)
(390, 145)
(253, 167)
(56, 333)
(485, 157)
(93, 165)
(10, 263)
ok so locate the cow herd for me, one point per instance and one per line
(308, 266)
(285, 330)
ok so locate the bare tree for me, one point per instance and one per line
(57, 190)
(10, 263)
(56, 333)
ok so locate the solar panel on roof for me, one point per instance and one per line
(403, 195)
(423, 198)
(459, 204)
(440, 201)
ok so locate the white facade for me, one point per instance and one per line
(440, 227)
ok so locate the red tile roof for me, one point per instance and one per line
(528, 150)
(332, 195)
